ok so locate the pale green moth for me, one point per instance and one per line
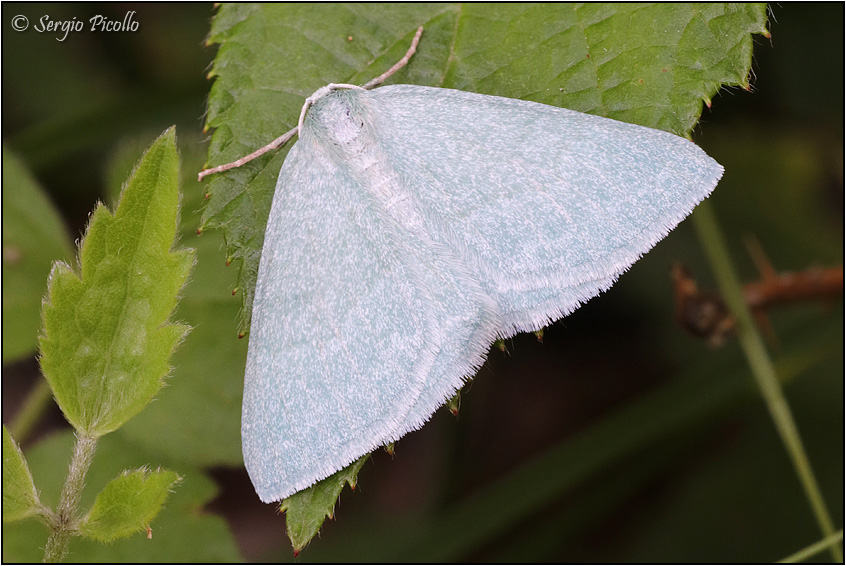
(413, 226)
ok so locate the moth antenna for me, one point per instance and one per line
(284, 138)
(281, 140)
(399, 64)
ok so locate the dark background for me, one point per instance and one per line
(720, 488)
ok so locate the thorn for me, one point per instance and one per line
(500, 344)
(389, 448)
(149, 532)
(235, 290)
(229, 261)
(241, 334)
(207, 196)
(539, 335)
(767, 34)
(296, 552)
(707, 102)
(200, 231)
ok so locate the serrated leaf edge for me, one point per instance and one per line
(146, 473)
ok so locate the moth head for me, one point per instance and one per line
(320, 93)
(337, 117)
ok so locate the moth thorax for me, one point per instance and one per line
(340, 122)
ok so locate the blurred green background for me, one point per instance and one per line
(619, 439)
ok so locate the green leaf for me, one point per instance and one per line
(20, 498)
(33, 237)
(306, 510)
(107, 336)
(184, 531)
(128, 504)
(201, 409)
(652, 65)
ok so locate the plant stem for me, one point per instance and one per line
(761, 365)
(66, 520)
(815, 548)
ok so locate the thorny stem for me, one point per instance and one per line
(284, 138)
(65, 522)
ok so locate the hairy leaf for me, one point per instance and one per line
(128, 504)
(20, 498)
(107, 336)
(201, 408)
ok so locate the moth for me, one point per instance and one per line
(410, 228)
